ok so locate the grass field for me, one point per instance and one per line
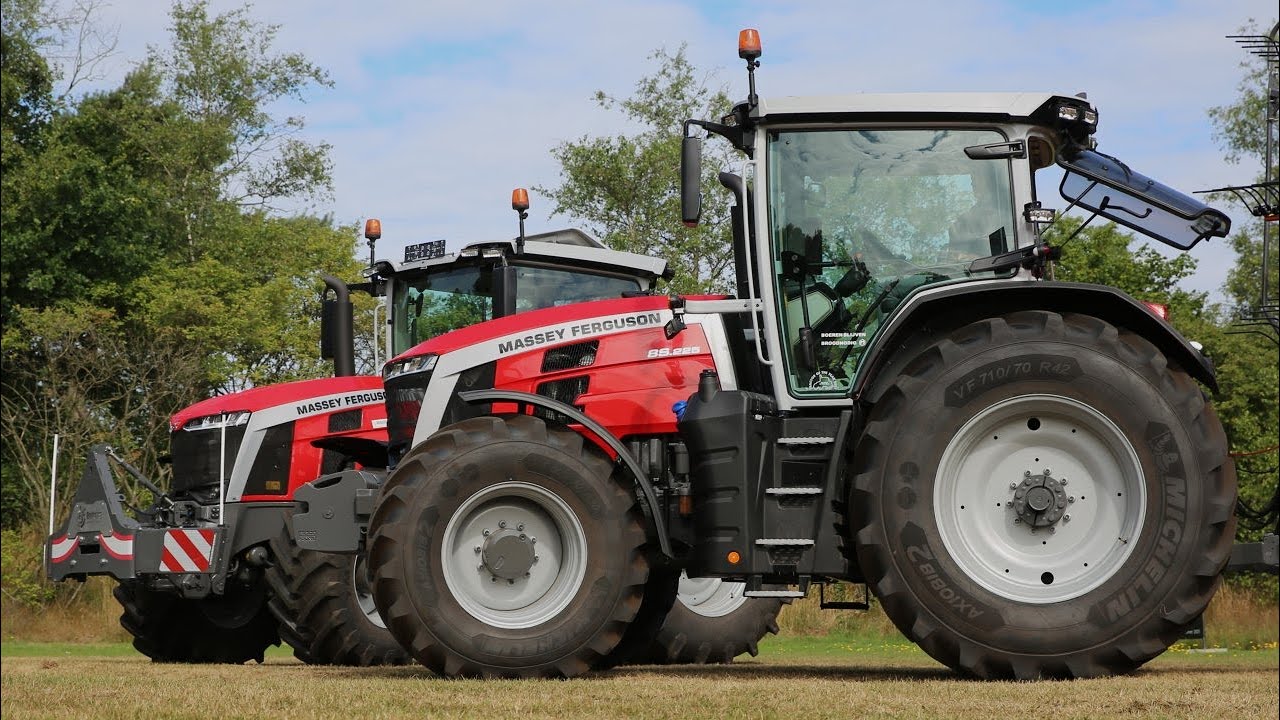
(799, 677)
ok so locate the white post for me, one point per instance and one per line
(53, 482)
(222, 468)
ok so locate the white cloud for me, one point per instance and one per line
(440, 109)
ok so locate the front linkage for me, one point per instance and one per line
(181, 548)
(191, 588)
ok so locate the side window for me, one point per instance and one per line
(438, 303)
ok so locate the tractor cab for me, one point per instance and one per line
(861, 205)
(431, 292)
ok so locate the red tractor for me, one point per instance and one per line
(1026, 473)
(209, 572)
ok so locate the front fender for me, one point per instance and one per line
(628, 461)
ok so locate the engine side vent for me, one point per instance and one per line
(566, 391)
(346, 420)
(568, 357)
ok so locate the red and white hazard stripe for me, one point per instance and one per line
(187, 550)
(118, 546)
(61, 548)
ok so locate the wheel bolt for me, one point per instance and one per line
(493, 579)
(1066, 518)
(486, 533)
(1063, 481)
(1026, 473)
(477, 549)
(520, 526)
(1017, 520)
(535, 558)
(1071, 499)
(502, 524)
(1013, 486)
(1053, 530)
(1046, 472)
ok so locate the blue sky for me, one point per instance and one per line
(440, 108)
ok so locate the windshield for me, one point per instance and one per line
(860, 218)
(432, 304)
(1099, 183)
(429, 304)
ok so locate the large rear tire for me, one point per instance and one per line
(232, 628)
(324, 603)
(1042, 495)
(713, 621)
(503, 548)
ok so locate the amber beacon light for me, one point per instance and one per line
(749, 44)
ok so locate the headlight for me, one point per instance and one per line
(419, 363)
(210, 422)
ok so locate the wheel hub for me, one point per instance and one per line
(1039, 500)
(507, 554)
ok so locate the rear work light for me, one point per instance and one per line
(1160, 310)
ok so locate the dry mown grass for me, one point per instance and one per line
(797, 686)
(1235, 619)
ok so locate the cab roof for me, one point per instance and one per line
(569, 246)
(1006, 105)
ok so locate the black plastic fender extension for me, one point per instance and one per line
(953, 305)
(524, 399)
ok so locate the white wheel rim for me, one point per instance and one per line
(711, 597)
(363, 592)
(556, 541)
(992, 540)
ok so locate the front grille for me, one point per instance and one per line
(195, 456)
(404, 404)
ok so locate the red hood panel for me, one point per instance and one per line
(260, 398)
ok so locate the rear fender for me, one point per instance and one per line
(932, 312)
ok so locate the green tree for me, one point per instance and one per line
(1241, 129)
(625, 188)
(26, 82)
(142, 269)
(1107, 255)
(1248, 360)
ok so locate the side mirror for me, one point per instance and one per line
(690, 180)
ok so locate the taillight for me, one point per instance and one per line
(1159, 309)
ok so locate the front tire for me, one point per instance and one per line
(232, 628)
(1042, 495)
(503, 548)
(325, 606)
(713, 621)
